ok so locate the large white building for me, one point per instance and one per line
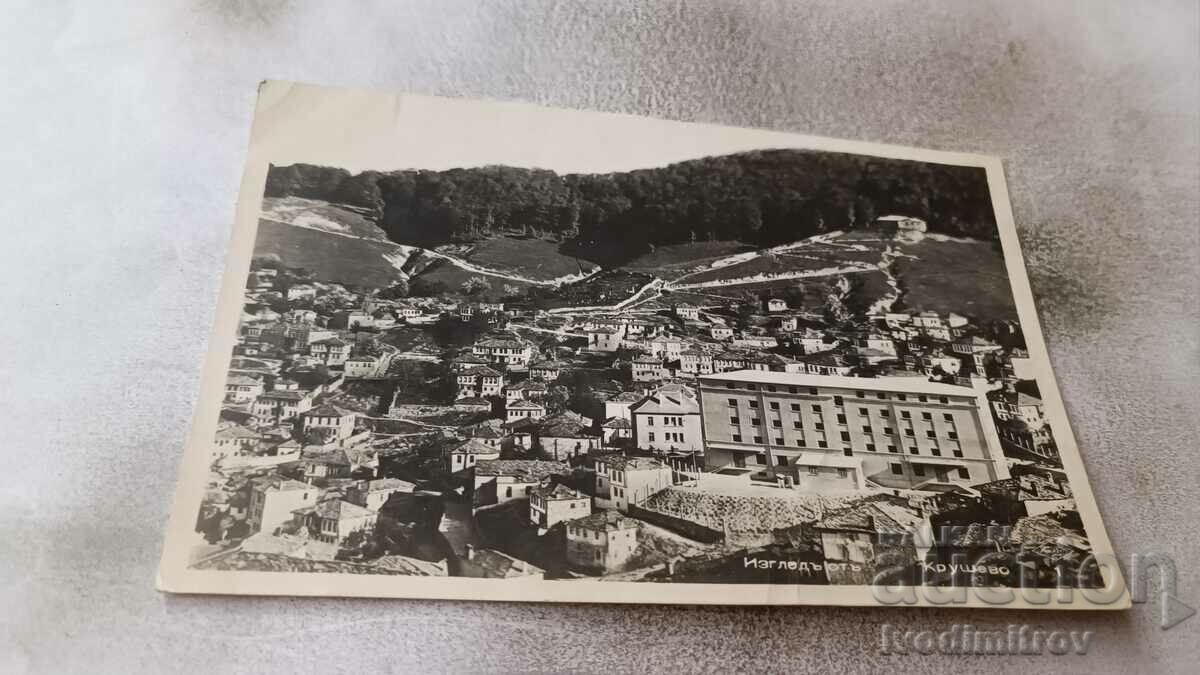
(668, 419)
(905, 433)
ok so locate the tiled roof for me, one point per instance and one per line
(481, 371)
(564, 425)
(389, 484)
(532, 470)
(557, 492)
(279, 483)
(238, 379)
(473, 447)
(605, 521)
(327, 410)
(620, 461)
(524, 404)
(338, 509)
(617, 423)
(497, 565)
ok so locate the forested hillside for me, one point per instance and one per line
(762, 198)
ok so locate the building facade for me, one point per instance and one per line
(906, 432)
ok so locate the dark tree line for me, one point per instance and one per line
(761, 198)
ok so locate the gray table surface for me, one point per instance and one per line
(122, 134)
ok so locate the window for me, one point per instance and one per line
(837, 400)
(859, 394)
(848, 452)
(795, 407)
(902, 397)
(650, 436)
(937, 452)
(863, 411)
(774, 405)
(880, 395)
(841, 419)
(963, 472)
(943, 399)
(752, 387)
(926, 416)
(812, 391)
(800, 442)
(870, 447)
(777, 423)
(885, 414)
(758, 459)
(822, 444)
(905, 415)
(734, 420)
(952, 435)
(846, 436)
(919, 469)
(650, 420)
(897, 469)
(770, 387)
(758, 439)
(816, 408)
(948, 417)
(793, 390)
(930, 433)
(737, 438)
(909, 431)
(842, 473)
(912, 449)
(923, 398)
(958, 452)
(892, 448)
(781, 461)
(813, 471)
(887, 430)
(733, 402)
(819, 425)
(754, 421)
(866, 428)
(753, 404)
(778, 440)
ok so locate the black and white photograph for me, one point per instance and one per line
(781, 365)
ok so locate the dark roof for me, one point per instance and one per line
(564, 425)
(481, 371)
(327, 410)
(558, 491)
(532, 470)
(605, 521)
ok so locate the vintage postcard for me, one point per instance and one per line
(497, 351)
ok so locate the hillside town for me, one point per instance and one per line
(677, 437)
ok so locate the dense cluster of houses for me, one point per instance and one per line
(691, 417)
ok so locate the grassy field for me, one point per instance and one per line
(531, 258)
(454, 277)
(330, 257)
(767, 264)
(956, 276)
(686, 255)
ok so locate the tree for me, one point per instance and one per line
(395, 291)
(427, 288)
(556, 399)
(476, 285)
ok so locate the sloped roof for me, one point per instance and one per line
(531, 470)
(481, 371)
(327, 410)
(389, 485)
(239, 379)
(498, 565)
(669, 403)
(558, 492)
(605, 521)
(473, 447)
(564, 425)
(278, 483)
(617, 423)
(338, 509)
(525, 404)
